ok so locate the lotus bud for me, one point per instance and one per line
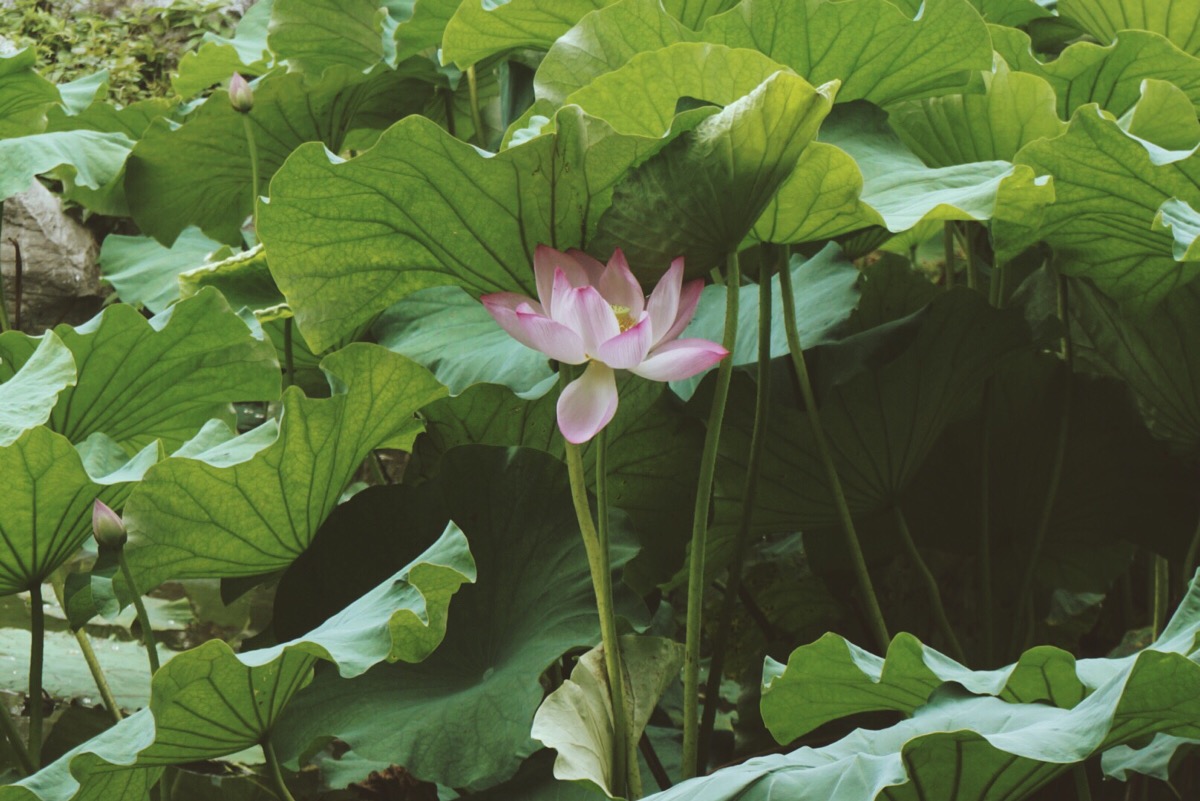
(241, 96)
(107, 526)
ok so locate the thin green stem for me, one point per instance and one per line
(1056, 471)
(931, 586)
(985, 526)
(598, 563)
(476, 114)
(1162, 593)
(89, 656)
(289, 358)
(948, 246)
(4, 325)
(696, 580)
(996, 290)
(252, 146)
(37, 657)
(13, 735)
(143, 618)
(1189, 561)
(758, 438)
(862, 575)
(375, 464)
(969, 257)
(276, 771)
(1083, 789)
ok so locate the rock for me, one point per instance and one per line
(60, 275)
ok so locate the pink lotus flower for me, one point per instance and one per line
(592, 313)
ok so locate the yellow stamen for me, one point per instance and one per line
(624, 318)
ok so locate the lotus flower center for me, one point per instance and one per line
(624, 318)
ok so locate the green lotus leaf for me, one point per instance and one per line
(91, 159)
(105, 117)
(833, 678)
(141, 380)
(423, 28)
(700, 195)
(1012, 13)
(198, 173)
(862, 175)
(826, 292)
(1016, 108)
(47, 513)
(1165, 116)
(210, 702)
(478, 30)
(31, 389)
(1155, 759)
(314, 35)
(1111, 76)
(144, 273)
(212, 515)
(902, 58)
(77, 95)
(1178, 219)
(25, 96)
(462, 717)
(1150, 355)
(218, 57)
(577, 718)
(453, 336)
(397, 230)
(1109, 189)
(243, 278)
(881, 421)
(1178, 21)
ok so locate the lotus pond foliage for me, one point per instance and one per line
(584, 399)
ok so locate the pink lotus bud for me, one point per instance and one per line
(241, 96)
(107, 526)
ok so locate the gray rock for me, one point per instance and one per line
(60, 276)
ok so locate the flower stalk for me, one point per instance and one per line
(708, 464)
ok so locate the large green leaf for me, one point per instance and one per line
(424, 27)
(25, 96)
(478, 29)
(701, 194)
(451, 333)
(28, 395)
(1165, 116)
(210, 702)
(208, 514)
(89, 158)
(1015, 108)
(1111, 76)
(984, 747)
(163, 378)
(863, 175)
(877, 51)
(47, 512)
(1109, 188)
(314, 35)
(144, 273)
(244, 279)
(199, 173)
(1178, 21)
(1151, 355)
(462, 718)
(421, 209)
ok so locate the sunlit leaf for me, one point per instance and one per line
(1178, 21)
(144, 273)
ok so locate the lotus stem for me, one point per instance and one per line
(1189, 561)
(758, 438)
(4, 326)
(1162, 593)
(1056, 470)
(948, 245)
(252, 146)
(93, 663)
(13, 735)
(862, 575)
(931, 586)
(276, 771)
(289, 359)
(598, 563)
(708, 465)
(969, 257)
(985, 526)
(142, 616)
(37, 657)
(476, 114)
(1083, 789)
